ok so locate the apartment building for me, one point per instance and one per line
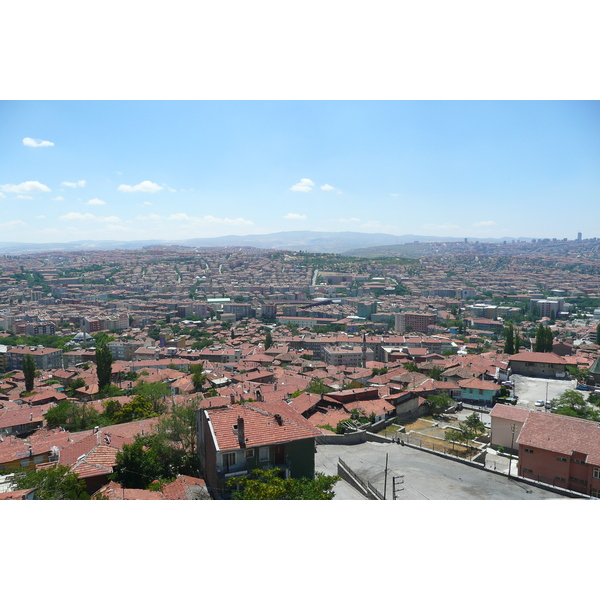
(414, 321)
(347, 355)
(45, 358)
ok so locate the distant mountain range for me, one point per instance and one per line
(309, 241)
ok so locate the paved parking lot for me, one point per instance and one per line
(532, 389)
(424, 476)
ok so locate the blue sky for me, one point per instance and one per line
(172, 170)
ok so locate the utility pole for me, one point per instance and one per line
(512, 428)
(385, 477)
(396, 484)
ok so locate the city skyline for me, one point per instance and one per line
(175, 170)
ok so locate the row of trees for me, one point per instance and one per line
(543, 339)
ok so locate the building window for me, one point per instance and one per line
(596, 473)
(560, 479)
(595, 493)
(37, 460)
(250, 453)
(25, 462)
(561, 459)
(529, 450)
(228, 460)
(263, 454)
(577, 461)
(527, 471)
(577, 480)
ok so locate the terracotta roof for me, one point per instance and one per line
(260, 425)
(478, 384)
(512, 413)
(561, 434)
(538, 357)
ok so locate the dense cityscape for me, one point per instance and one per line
(180, 372)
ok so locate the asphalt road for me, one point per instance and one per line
(422, 476)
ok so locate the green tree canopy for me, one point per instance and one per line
(573, 404)
(268, 485)
(28, 372)
(53, 483)
(103, 365)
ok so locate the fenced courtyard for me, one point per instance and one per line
(429, 432)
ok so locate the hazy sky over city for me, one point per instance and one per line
(72, 170)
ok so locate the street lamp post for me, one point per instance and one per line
(512, 441)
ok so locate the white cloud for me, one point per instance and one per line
(294, 216)
(145, 186)
(41, 217)
(36, 143)
(2, 195)
(25, 187)
(22, 197)
(76, 216)
(58, 198)
(170, 189)
(304, 185)
(146, 203)
(150, 217)
(95, 202)
(485, 224)
(80, 183)
(350, 220)
(394, 195)
(11, 224)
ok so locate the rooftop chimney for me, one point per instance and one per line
(279, 419)
(241, 432)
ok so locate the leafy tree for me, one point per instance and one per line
(267, 485)
(572, 404)
(149, 458)
(268, 340)
(155, 392)
(509, 342)
(28, 372)
(198, 377)
(73, 416)
(178, 425)
(467, 430)
(317, 386)
(438, 403)
(103, 365)
(54, 483)
(436, 373)
(411, 366)
(598, 334)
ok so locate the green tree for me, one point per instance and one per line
(438, 403)
(198, 377)
(268, 485)
(178, 425)
(573, 404)
(467, 430)
(598, 334)
(54, 483)
(103, 365)
(149, 458)
(28, 372)
(73, 416)
(268, 340)
(509, 342)
(317, 386)
(436, 373)
(156, 393)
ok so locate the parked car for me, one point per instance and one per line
(548, 404)
(585, 388)
(539, 403)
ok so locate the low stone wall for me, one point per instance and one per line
(356, 437)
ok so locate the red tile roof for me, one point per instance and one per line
(260, 425)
